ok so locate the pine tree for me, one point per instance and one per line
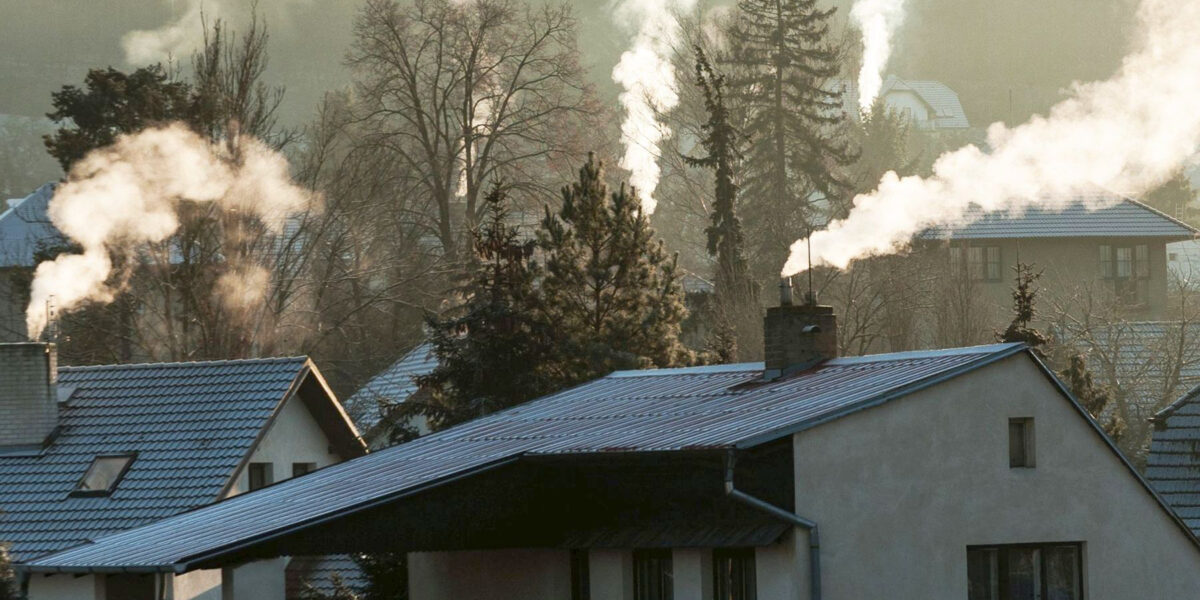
(494, 352)
(736, 293)
(610, 288)
(782, 62)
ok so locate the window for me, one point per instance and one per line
(261, 475)
(299, 469)
(733, 574)
(1128, 267)
(103, 475)
(1025, 572)
(581, 584)
(1020, 443)
(982, 264)
(652, 577)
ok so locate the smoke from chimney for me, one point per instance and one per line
(128, 193)
(1124, 134)
(878, 20)
(650, 87)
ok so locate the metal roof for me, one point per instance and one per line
(190, 425)
(1095, 214)
(707, 408)
(393, 385)
(1173, 465)
(25, 229)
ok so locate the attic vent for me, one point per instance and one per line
(104, 475)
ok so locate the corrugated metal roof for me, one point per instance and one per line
(1173, 466)
(636, 411)
(391, 386)
(190, 424)
(25, 229)
(1097, 214)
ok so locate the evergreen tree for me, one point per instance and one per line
(1024, 295)
(610, 289)
(8, 589)
(884, 138)
(495, 351)
(737, 308)
(782, 62)
(1175, 197)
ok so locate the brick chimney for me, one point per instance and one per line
(28, 393)
(797, 336)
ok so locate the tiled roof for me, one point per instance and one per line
(25, 229)
(190, 424)
(1088, 215)
(1173, 466)
(391, 386)
(692, 409)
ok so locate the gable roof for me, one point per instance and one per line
(712, 408)
(391, 386)
(190, 425)
(1095, 214)
(1173, 465)
(25, 229)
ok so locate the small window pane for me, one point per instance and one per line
(956, 262)
(1024, 574)
(299, 469)
(734, 575)
(993, 263)
(1020, 442)
(652, 576)
(261, 475)
(1142, 262)
(1124, 263)
(1106, 262)
(1062, 573)
(975, 260)
(104, 474)
(983, 574)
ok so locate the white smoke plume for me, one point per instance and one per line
(878, 20)
(176, 39)
(1123, 134)
(650, 87)
(127, 194)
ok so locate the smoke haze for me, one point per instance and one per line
(878, 20)
(128, 194)
(649, 86)
(1123, 134)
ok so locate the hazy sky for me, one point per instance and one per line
(982, 48)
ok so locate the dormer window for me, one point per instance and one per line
(103, 475)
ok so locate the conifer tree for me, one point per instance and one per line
(610, 288)
(782, 62)
(737, 310)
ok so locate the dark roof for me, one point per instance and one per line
(711, 408)
(1098, 214)
(190, 424)
(1173, 466)
(25, 229)
(393, 385)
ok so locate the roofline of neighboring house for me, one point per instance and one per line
(357, 447)
(1170, 409)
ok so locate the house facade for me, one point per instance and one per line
(947, 474)
(91, 451)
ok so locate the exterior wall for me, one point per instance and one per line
(491, 575)
(293, 437)
(691, 570)
(197, 585)
(900, 491)
(903, 100)
(66, 587)
(610, 574)
(259, 580)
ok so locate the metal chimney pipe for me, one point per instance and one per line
(785, 291)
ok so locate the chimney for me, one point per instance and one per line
(28, 394)
(797, 336)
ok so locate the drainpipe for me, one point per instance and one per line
(814, 539)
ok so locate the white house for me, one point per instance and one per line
(928, 105)
(951, 474)
(86, 452)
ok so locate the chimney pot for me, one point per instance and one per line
(785, 291)
(28, 393)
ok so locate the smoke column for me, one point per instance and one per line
(126, 194)
(182, 36)
(1124, 134)
(878, 20)
(648, 78)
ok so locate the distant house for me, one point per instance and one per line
(86, 452)
(1110, 246)
(945, 474)
(927, 105)
(1173, 466)
(371, 406)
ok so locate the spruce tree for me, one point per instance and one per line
(737, 330)
(782, 64)
(494, 351)
(610, 288)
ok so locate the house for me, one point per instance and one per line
(1102, 246)
(927, 105)
(86, 452)
(944, 474)
(369, 407)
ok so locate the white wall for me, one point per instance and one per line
(491, 575)
(901, 490)
(259, 580)
(66, 587)
(293, 437)
(197, 585)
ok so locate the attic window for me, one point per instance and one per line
(104, 475)
(1020, 443)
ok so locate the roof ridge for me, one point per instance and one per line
(194, 363)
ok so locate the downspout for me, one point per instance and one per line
(814, 539)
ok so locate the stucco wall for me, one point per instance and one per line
(491, 575)
(901, 490)
(197, 585)
(293, 437)
(66, 587)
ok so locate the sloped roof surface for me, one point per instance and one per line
(392, 385)
(714, 408)
(1096, 214)
(1173, 466)
(26, 229)
(189, 423)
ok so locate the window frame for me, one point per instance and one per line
(1133, 287)
(269, 475)
(739, 558)
(1027, 458)
(977, 262)
(646, 560)
(300, 469)
(1042, 547)
(116, 481)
